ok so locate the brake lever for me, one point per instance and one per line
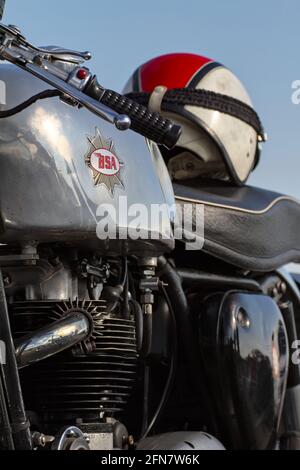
(39, 62)
(56, 53)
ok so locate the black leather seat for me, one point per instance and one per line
(248, 227)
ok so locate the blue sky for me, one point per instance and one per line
(259, 40)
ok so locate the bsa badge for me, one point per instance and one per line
(104, 163)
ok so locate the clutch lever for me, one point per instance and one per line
(121, 121)
(14, 33)
(79, 87)
(16, 49)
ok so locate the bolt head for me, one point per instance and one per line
(123, 122)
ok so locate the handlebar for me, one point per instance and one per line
(149, 124)
(61, 69)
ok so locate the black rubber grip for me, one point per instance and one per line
(150, 125)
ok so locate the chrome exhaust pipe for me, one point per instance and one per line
(52, 339)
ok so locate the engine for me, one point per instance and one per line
(102, 345)
(91, 380)
(84, 388)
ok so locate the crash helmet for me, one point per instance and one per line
(221, 132)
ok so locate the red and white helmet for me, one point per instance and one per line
(221, 132)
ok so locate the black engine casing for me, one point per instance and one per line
(245, 354)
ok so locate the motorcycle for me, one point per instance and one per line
(120, 342)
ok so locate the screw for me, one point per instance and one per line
(122, 122)
(38, 60)
(40, 440)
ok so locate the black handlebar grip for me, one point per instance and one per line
(150, 125)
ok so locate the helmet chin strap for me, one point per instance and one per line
(173, 100)
(156, 98)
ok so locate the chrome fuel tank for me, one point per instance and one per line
(53, 183)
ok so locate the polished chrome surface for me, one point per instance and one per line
(63, 54)
(122, 122)
(52, 339)
(55, 77)
(47, 191)
(92, 105)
